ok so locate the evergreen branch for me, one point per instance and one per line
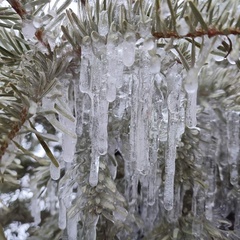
(211, 32)
(45, 147)
(14, 129)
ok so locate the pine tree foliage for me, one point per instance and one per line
(43, 48)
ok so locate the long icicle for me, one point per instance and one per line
(191, 83)
(174, 84)
(233, 145)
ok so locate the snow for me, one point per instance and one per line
(35, 210)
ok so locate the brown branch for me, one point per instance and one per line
(39, 34)
(18, 7)
(198, 33)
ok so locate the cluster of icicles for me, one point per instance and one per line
(123, 76)
(131, 75)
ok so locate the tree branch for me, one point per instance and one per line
(198, 33)
(17, 6)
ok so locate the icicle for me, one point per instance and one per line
(128, 49)
(99, 106)
(94, 169)
(143, 180)
(120, 213)
(233, 145)
(85, 68)
(152, 188)
(65, 191)
(191, 83)
(54, 171)
(153, 214)
(72, 227)
(176, 211)
(102, 141)
(67, 120)
(153, 179)
(51, 191)
(237, 216)
(86, 109)
(174, 82)
(211, 180)
(141, 112)
(115, 66)
(198, 209)
(210, 162)
(91, 225)
(191, 87)
(170, 169)
(123, 98)
(103, 23)
(99, 102)
(132, 189)
(68, 145)
(62, 221)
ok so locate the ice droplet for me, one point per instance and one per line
(28, 29)
(37, 22)
(148, 44)
(54, 171)
(155, 64)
